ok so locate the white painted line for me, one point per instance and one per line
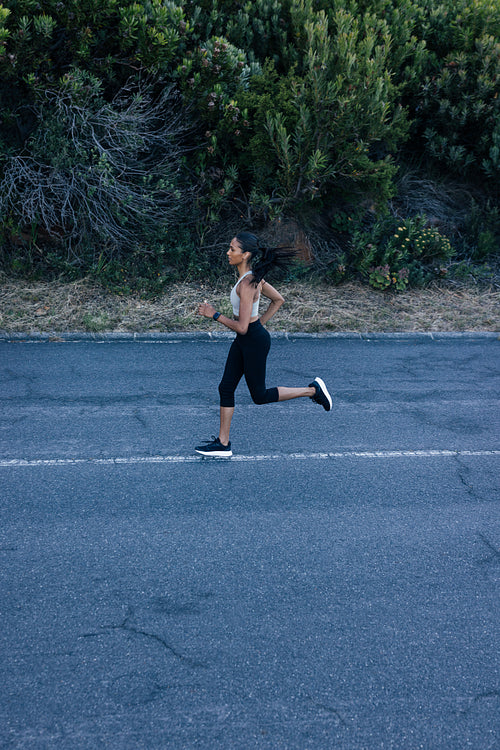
(131, 460)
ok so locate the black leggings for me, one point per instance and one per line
(247, 356)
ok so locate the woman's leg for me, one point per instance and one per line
(226, 415)
(286, 394)
(255, 346)
(317, 391)
(255, 350)
(233, 372)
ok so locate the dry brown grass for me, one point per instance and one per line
(84, 306)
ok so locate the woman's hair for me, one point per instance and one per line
(264, 258)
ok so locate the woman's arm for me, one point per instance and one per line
(246, 293)
(276, 301)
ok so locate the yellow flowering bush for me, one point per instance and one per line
(396, 254)
(416, 239)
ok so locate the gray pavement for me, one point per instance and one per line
(335, 585)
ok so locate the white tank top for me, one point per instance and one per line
(235, 300)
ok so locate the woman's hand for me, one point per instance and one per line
(206, 309)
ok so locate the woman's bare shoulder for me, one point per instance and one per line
(247, 283)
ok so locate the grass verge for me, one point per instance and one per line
(85, 306)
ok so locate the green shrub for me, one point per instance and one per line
(293, 107)
(320, 129)
(99, 177)
(259, 27)
(398, 253)
(480, 233)
(457, 108)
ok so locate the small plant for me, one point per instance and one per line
(342, 222)
(96, 323)
(337, 271)
(383, 278)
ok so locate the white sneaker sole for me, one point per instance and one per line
(324, 389)
(215, 454)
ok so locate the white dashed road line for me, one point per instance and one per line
(131, 460)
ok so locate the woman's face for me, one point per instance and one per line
(235, 254)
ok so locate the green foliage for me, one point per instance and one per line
(294, 107)
(481, 232)
(95, 174)
(260, 27)
(320, 127)
(462, 110)
(383, 278)
(338, 271)
(152, 31)
(147, 274)
(456, 108)
(209, 80)
(342, 221)
(398, 253)
(466, 271)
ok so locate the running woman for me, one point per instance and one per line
(248, 353)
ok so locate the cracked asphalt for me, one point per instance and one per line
(334, 586)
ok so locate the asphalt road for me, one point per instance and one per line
(334, 585)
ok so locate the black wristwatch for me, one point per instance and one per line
(216, 315)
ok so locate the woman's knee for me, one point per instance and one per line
(266, 396)
(226, 394)
(259, 397)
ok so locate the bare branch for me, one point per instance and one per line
(104, 171)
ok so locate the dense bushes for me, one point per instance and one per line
(135, 132)
(106, 171)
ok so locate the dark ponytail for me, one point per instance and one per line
(264, 259)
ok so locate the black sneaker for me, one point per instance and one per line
(215, 448)
(322, 396)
